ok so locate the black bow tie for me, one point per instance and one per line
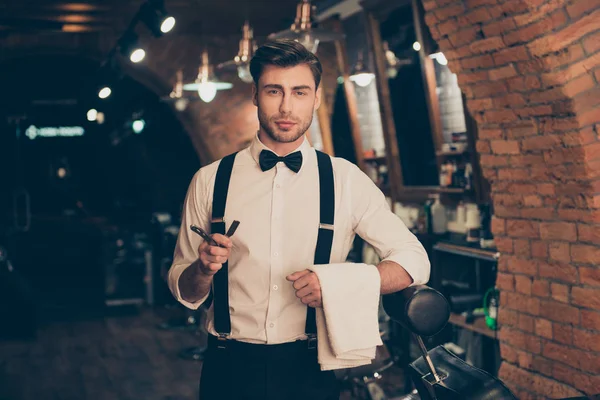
(268, 159)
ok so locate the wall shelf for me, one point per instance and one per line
(450, 153)
(474, 252)
(478, 325)
(452, 190)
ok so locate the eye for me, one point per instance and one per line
(272, 91)
(301, 93)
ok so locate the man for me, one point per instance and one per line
(264, 354)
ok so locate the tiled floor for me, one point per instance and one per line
(116, 358)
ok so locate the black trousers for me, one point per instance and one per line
(244, 371)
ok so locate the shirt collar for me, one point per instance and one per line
(257, 146)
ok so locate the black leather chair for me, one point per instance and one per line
(439, 374)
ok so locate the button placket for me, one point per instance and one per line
(277, 209)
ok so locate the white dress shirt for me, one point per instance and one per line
(278, 212)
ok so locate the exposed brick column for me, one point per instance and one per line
(530, 70)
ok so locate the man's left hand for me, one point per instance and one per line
(308, 287)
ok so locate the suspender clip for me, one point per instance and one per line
(222, 341)
(312, 341)
(326, 226)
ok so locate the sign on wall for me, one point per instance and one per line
(62, 131)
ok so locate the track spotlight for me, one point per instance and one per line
(128, 45)
(92, 115)
(104, 92)
(156, 18)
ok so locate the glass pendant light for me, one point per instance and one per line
(304, 29)
(241, 61)
(177, 96)
(206, 83)
(360, 74)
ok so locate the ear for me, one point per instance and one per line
(254, 95)
(318, 98)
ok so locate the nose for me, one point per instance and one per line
(285, 107)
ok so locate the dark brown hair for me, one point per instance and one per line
(284, 53)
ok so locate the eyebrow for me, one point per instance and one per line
(275, 86)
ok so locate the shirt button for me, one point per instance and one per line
(276, 254)
(277, 186)
(271, 325)
(275, 287)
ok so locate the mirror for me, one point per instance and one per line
(407, 92)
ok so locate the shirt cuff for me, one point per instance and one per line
(174, 275)
(418, 267)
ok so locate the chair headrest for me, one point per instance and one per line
(420, 309)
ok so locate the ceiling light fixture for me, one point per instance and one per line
(177, 96)
(304, 29)
(154, 15)
(360, 74)
(104, 92)
(128, 45)
(206, 83)
(241, 62)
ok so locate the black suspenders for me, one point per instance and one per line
(325, 237)
(221, 278)
(222, 320)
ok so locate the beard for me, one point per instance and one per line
(283, 135)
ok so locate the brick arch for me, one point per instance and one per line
(530, 71)
(95, 50)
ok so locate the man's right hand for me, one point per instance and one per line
(213, 257)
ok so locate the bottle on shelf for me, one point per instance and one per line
(443, 174)
(438, 216)
(468, 175)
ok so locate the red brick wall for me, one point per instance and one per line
(530, 70)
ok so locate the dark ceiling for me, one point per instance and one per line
(194, 17)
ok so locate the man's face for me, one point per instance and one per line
(286, 100)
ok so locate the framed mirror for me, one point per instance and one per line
(424, 117)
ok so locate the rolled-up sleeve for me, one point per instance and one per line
(381, 228)
(186, 250)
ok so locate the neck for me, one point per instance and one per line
(279, 148)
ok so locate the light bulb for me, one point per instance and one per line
(244, 73)
(207, 91)
(417, 46)
(362, 79)
(92, 115)
(181, 104)
(167, 24)
(137, 55)
(104, 92)
(138, 125)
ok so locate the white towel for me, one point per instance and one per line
(348, 323)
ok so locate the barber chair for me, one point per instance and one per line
(438, 374)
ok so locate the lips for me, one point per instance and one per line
(285, 124)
